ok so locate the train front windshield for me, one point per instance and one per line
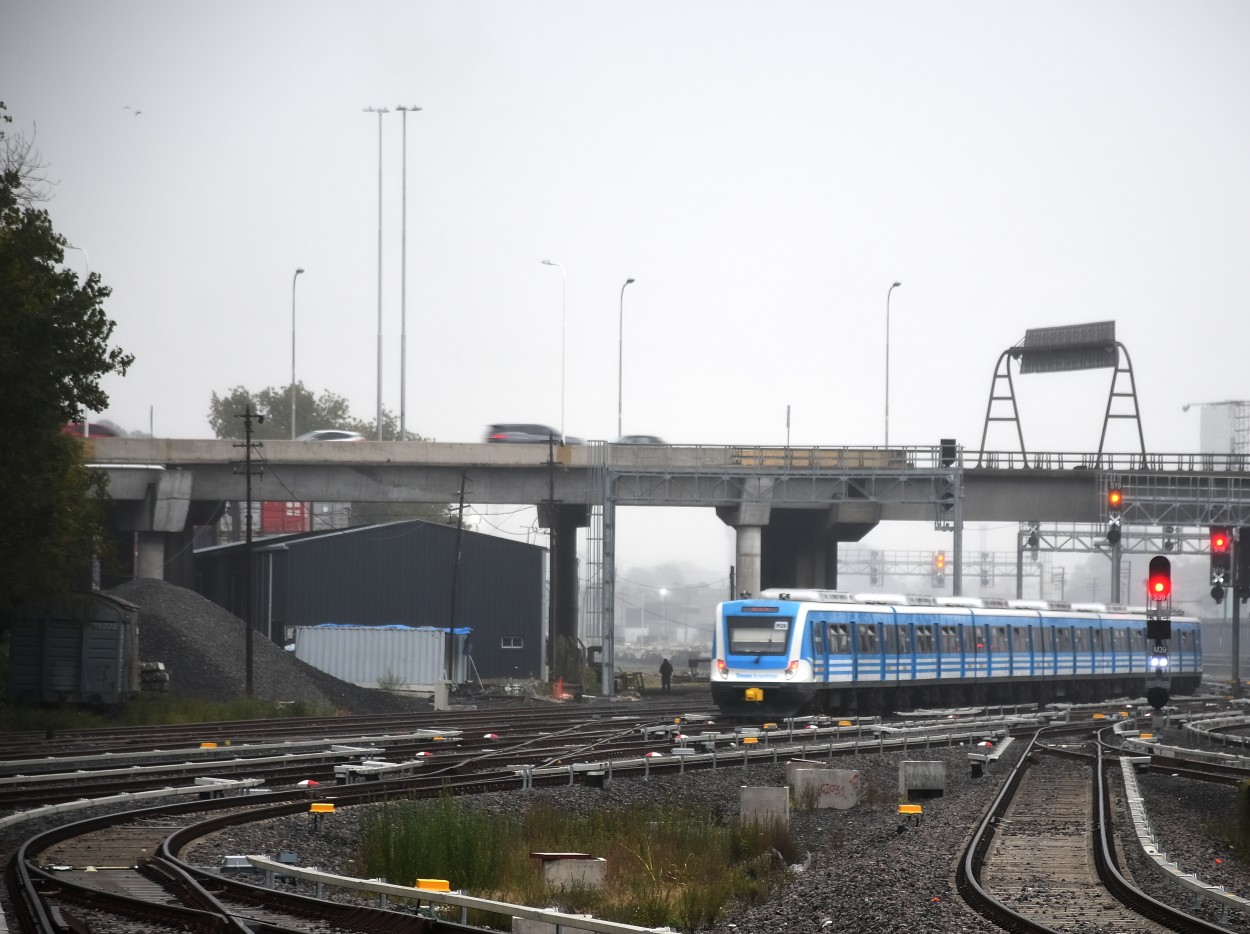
(754, 635)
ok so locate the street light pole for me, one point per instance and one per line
(298, 272)
(663, 616)
(564, 307)
(403, 286)
(887, 361)
(620, 358)
(379, 111)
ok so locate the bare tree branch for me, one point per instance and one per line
(23, 183)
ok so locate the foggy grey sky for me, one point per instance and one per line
(764, 171)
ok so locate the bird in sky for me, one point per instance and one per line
(128, 107)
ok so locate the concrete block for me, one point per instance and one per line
(826, 788)
(765, 805)
(921, 776)
(575, 873)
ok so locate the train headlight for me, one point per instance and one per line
(792, 669)
(1158, 662)
(721, 668)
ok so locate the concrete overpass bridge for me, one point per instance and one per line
(790, 506)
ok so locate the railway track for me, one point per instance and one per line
(1040, 863)
(1045, 857)
(184, 898)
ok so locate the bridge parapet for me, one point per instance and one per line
(690, 458)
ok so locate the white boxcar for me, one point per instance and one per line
(405, 658)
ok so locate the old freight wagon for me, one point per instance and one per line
(81, 650)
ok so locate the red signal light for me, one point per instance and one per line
(1159, 583)
(1115, 498)
(1219, 541)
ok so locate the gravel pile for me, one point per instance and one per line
(868, 871)
(203, 648)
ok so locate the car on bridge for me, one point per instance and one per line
(526, 433)
(92, 430)
(332, 434)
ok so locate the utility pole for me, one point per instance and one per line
(449, 654)
(1235, 595)
(248, 416)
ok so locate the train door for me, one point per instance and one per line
(976, 650)
(1097, 650)
(1065, 647)
(999, 652)
(925, 652)
(951, 662)
(897, 659)
(1018, 640)
(817, 625)
(869, 650)
(1121, 659)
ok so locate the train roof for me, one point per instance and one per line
(814, 595)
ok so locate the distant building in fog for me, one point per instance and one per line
(1224, 428)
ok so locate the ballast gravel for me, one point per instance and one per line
(869, 871)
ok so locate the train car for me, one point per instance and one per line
(83, 650)
(788, 653)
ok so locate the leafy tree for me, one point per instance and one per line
(54, 350)
(312, 412)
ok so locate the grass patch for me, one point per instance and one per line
(664, 867)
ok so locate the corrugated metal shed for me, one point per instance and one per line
(389, 657)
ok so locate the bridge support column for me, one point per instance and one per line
(794, 547)
(150, 555)
(748, 520)
(563, 521)
(159, 529)
(799, 551)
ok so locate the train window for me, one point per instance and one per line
(1019, 639)
(924, 640)
(839, 639)
(1084, 639)
(1063, 638)
(1097, 636)
(758, 635)
(998, 637)
(868, 638)
(949, 637)
(1119, 640)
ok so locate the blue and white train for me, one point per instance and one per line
(788, 653)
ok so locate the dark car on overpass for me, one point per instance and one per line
(525, 433)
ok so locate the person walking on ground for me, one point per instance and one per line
(666, 676)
